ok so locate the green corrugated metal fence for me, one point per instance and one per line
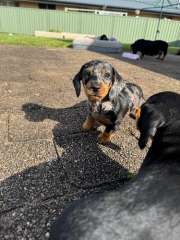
(126, 29)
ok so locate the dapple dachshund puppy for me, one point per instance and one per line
(109, 96)
(147, 207)
(152, 48)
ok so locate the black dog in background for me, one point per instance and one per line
(103, 37)
(152, 48)
(109, 96)
(148, 206)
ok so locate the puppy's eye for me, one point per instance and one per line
(86, 77)
(88, 74)
(107, 75)
(86, 80)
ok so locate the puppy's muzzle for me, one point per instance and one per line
(96, 89)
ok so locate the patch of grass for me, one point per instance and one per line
(26, 40)
(130, 175)
(126, 47)
(171, 50)
(54, 30)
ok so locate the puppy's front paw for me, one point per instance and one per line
(88, 124)
(104, 137)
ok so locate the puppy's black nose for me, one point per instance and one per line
(95, 89)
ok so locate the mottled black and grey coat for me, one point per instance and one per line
(109, 96)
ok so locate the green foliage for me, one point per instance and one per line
(130, 175)
(54, 30)
(27, 40)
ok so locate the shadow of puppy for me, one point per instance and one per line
(38, 113)
(69, 119)
(81, 156)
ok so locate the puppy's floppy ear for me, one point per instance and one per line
(77, 81)
(116, 76)
(149, 122)
(117, 84)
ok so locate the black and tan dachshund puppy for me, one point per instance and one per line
(158, 111)
(147, 207)
(109, 96)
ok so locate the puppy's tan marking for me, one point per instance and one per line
(104, 90)
(101, 93)
(138, 113)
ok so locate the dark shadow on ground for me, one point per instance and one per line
(38, 113)
(31, 199)
(82, 159)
